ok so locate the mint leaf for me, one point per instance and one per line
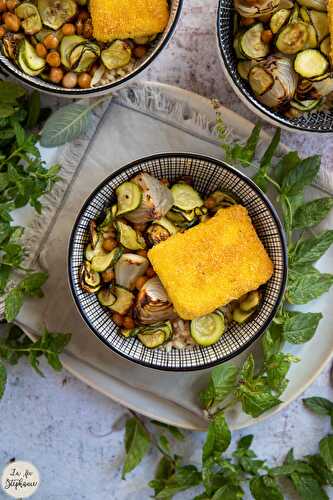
(326, 451)
(276, 369)
(308, 487)
(33, 282)
(265, 163)
(311, 213)
(264, 488)
(10, 91)
(306, 283)
(245, 442)
(300, 327)
(287, 163)
(218, 437)
(255, 400)
(184, 478)
(3, 379)
(311, 249)
(272, 340)
(300, 176)
(174, 431)
(137, 443)
(244, 154)
(222, 382)
(320, 406)
(13, 303)
(324, 475)
(228, 492)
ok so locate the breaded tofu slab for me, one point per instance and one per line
(122, 19)
(212, 264)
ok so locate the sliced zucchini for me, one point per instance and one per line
(175, 217)
(30, 58)
(286, 4)
(307, 105)
(30, 18)
(243, 68)
(303, 12)
(83, 56)
(310, 63)
(314, 4)
(91, 252)
(90, 281)
(320, 23)
(129, 238)
(185, 197)
(108, 219)
(129, 333)
(129, 197)
(222, 200)
(56, 13)
(295, 13)
(325, 46)
(312, 42)
(207, 330)
(68, 43)
(251, 301)
(124, 300)
(241, 316)
(152, 340)
(117, 55)
(188, 215)
(237, 46)
(100, 263)
(251, 43)
(167, 224)
(278, 19)
(106, 297)
(260, 80)
(292, 38)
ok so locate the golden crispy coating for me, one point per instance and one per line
(330, 24)
(128, 18)
(212, 264)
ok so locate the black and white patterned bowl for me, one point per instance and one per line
(157, 46)
(311, 122)
(208, 174)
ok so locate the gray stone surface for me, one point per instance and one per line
(73, 434)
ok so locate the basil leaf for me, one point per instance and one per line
(3, 379)
(272, 340)
(276, 369)
(245, 442)
(289, 205)
(184, 478)
(264, 488)
(265, 163)
(310, 250)
(287, 163)
(33, 282)
(300, 327)
(6, 110)
(218, 437)
(4, 276)
(306, 283)
(137, 443)
(288, 469)
(164, 470)
(324, 475)
(222, 382)
(308, 487)
(247, 371)
(228, 492)
(245, 153)
(256, 400)
(13, 303)
(300, 176)
(320, 406)
(311, 213)
(174, 431)
(326, 451)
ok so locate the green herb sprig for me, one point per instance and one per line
(24, 179)
(224, 476)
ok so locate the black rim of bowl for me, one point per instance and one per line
(320, 122)
(8, 67)
(219, 164)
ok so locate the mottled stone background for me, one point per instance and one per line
(73, 434)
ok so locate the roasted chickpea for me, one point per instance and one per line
(150, 272)
(51, 41)
(11, 21)
(139, 282)
(109, 244)
(209, 203)
(41, 50)
(143, 253)
(128, 323)
(11, 4)
(118, 319)
(53, 59)
(266, 36)
(68, 29)
(56, 75)
(140, 51)
(70, 80)
(84, 80)
(88, 29)
(141, 227)
(2, 31)
(247, 21)
(108, 275)
(3, 6)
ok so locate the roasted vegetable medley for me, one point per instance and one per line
(116, 267)
(55, 40)
(284, 52)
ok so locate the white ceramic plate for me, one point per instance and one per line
(314, 354)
